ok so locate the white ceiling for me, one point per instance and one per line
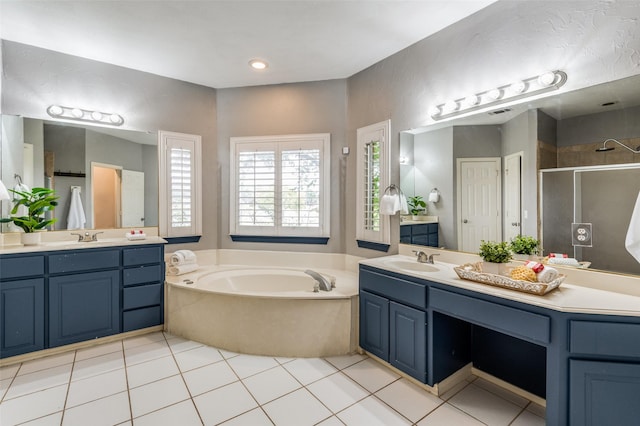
(210, 42)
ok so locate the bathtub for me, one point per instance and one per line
(265, 311)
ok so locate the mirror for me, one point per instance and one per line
(113, 171)
(561, 131)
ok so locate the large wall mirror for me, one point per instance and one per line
(494, 164)
(112, 172)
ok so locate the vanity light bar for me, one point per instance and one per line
(111, 119)
(542, 83)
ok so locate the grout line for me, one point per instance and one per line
(173, 356)
(126, 376)
(66, 397)
(519, 414)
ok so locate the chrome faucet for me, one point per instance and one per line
(323, 283)
(86, 237)
(424, 257)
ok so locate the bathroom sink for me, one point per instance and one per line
(411, 266)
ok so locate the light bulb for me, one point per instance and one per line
(450, 107)
(96, 115)
(55, 110)
(471, 101)
(494, 94)
(434, 110)
(116, 119)
(517, 87)
(77, 112)
(547, 79)
(258, 64)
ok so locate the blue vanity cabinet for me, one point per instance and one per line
(143, 287)
(22, 300)
(393, 321)
(604, 372)
(424, 234)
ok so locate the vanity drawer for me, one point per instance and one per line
(404, 291)
(141, 255)
(141, 318)
(83, 260)
(142, 274)
(144, 295)
(604, 338)
(21, 266)
(514, 322)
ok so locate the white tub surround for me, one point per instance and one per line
(262, 303)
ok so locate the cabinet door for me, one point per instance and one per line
(374, 324)
(83, 307)
(21, 317)
(603, 393)
(408, 340)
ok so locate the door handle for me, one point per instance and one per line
(515, 223)
(465, 221)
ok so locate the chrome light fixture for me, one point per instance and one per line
(531, 86)
(79, 114)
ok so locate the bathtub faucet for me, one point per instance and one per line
(324, 284)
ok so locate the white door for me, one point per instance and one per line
(478, 202)
(27, 167)
(132, 193)
(512, 195)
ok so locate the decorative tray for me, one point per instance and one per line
(473, 272)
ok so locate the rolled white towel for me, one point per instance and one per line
(548, 274)
(182, 269)
(183, 257)
(566, 261)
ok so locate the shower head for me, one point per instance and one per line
(604, 147)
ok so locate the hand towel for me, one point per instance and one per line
(404, 206)
(182, 269)
(388, 205)
(21, 187)
(76, 218)
(632, 241)
(183, 257)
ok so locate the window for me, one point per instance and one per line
(372, 179)
(180, 196)
(280, 185)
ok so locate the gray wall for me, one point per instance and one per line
(34, 135)
(146, 101)
(591, 128)
(12, 139)
(318, 107)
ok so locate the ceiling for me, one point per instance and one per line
(211, 42)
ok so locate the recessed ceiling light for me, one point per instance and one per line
(258, 64)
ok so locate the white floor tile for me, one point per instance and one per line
(178, 344)
(408, 399)
(50, 420)
(97, 365)
(296, 409)
(228, 354)
(107, 411)
(39, 380)
(248, 365)
(371, 375)
(255, 417)
(309, 370)
(96, 387)
(371, 412)
(4, 385)
(527, 418)
(501, 392)
(485, 406)
(344, 361)
(103, 349)
(454, 390)
(224, 403)
(150, 371)
(284, 360)
(337, 391)
(145, 339)
(148, 352)
(209, 377)
(448, 415)
(536, 409)
(271, 384)
(183, 413)
(156, 395)
(198, 357)
(33, 406)
(46, 363)
(9, 371)
(331, 421)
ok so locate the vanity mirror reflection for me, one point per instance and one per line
(113, 171)
(493, 172)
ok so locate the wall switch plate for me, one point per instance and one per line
(345, 150)
(581, 235)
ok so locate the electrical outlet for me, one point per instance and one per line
(581, 235)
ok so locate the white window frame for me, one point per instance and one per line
(193, 143)
(277, 143)
(374, 132)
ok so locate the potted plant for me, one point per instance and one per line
(37, 202)
(524, 246)
(417, 205)
(495, 255)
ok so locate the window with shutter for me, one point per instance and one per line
(280, 185)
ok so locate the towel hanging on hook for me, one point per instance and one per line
(393, 201)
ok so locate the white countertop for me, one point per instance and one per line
(74, 244)
(567, 298)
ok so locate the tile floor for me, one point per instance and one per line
(159, 379)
